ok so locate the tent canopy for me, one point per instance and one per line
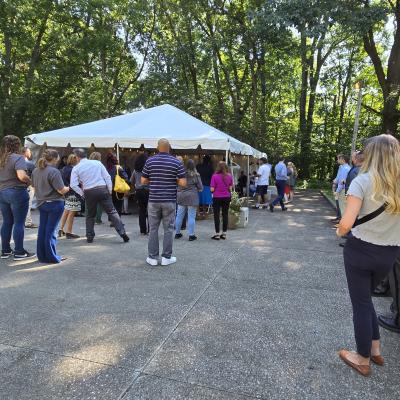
(146, 127)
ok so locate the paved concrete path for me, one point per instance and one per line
(260, 315)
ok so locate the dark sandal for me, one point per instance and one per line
(222, 237)
(215, 237)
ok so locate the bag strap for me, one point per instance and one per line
(371, 215)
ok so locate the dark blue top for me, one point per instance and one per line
(350, 176)
(163, 170)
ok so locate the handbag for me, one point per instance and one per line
(370, 216)
(120, 185)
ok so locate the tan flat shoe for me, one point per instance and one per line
(378, 360)
(364, 370)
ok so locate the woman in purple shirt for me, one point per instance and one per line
(221, 188)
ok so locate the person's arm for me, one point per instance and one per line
(74, 183)
(353, 208)
(107, 178)
(64, 190)
(212, 184)
(133, 180)
(145, 179)
(123, 174)
(181, 176)
(57, 182)
(23, 176)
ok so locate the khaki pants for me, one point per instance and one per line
(342, 201)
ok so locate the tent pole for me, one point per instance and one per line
(248, 181)
(118, 153)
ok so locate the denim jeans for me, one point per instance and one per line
(191, 218)
(280, 187)
(50, 215)
(14, 204)
(165, 213)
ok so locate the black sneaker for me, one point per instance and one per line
(125, 237)
(24, 256)
(178, 235)
(192, 238)
(89, 240)
(271, 208)
(6, 254)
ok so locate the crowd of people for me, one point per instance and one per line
(367, 196)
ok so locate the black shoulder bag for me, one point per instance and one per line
(371, 215)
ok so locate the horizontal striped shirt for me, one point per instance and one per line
(163, 170)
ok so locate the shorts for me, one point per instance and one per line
(72, 203)
(262, 189)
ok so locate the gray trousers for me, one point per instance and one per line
(394, 279)
(165, 213)
(101, 195)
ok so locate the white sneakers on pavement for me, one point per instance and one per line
(164, 261)
(151, 261)
(168, 261)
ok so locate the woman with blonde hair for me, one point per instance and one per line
(292, 177)
(14, 198)
(373, 217)
(72, 201)
(49, 189)
(221, 188)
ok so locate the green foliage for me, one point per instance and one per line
(278, 74)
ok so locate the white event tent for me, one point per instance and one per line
(145, 128)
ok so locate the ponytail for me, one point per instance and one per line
(48, 156)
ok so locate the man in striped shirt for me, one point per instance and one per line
(162, 173)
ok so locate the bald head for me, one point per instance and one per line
(163, 146)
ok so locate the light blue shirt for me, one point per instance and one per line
(89, 174)
(281, 171)
(341, 177)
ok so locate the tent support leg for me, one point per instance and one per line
(248, 181)
(118, 153)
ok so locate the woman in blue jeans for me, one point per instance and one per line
(14, 198)
(49, 189)
(188, 199)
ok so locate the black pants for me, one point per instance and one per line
(218, 205)
(366, 266)
(117, 201)
(394, 279)
(100, 195)
(142, 197)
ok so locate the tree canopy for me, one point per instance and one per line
(278, 74)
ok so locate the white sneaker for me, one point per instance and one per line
(168, 261)
(152, 261)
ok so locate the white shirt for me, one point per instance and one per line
(264, 172)
(90, 174)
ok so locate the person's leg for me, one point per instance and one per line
(41, 241)
(217, 208)
(168, 219)
(7, 225)
(91, 201)
(142, 200)
(64, 219)
(184, 221)
(117, 202)
(54, 213)
(191, 220)
(180, 215)
(70, 221)
(28, 220)
(99, 213)
(342, 202)
(395, 289)
(19, 206)
(225, 215)
(155, 216)
(125, 207)
(113, 216)
(280, 188)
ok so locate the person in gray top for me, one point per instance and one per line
(30, 166)
(14, 197)
(373, 216)
(188, 200)
(50, 189)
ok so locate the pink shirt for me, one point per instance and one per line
(221, 184)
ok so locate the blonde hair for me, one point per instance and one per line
(382, 162)
(48, 155)
(222, 168)
(95, 156)
(72, 159)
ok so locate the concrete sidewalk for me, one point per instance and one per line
(260, 315)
